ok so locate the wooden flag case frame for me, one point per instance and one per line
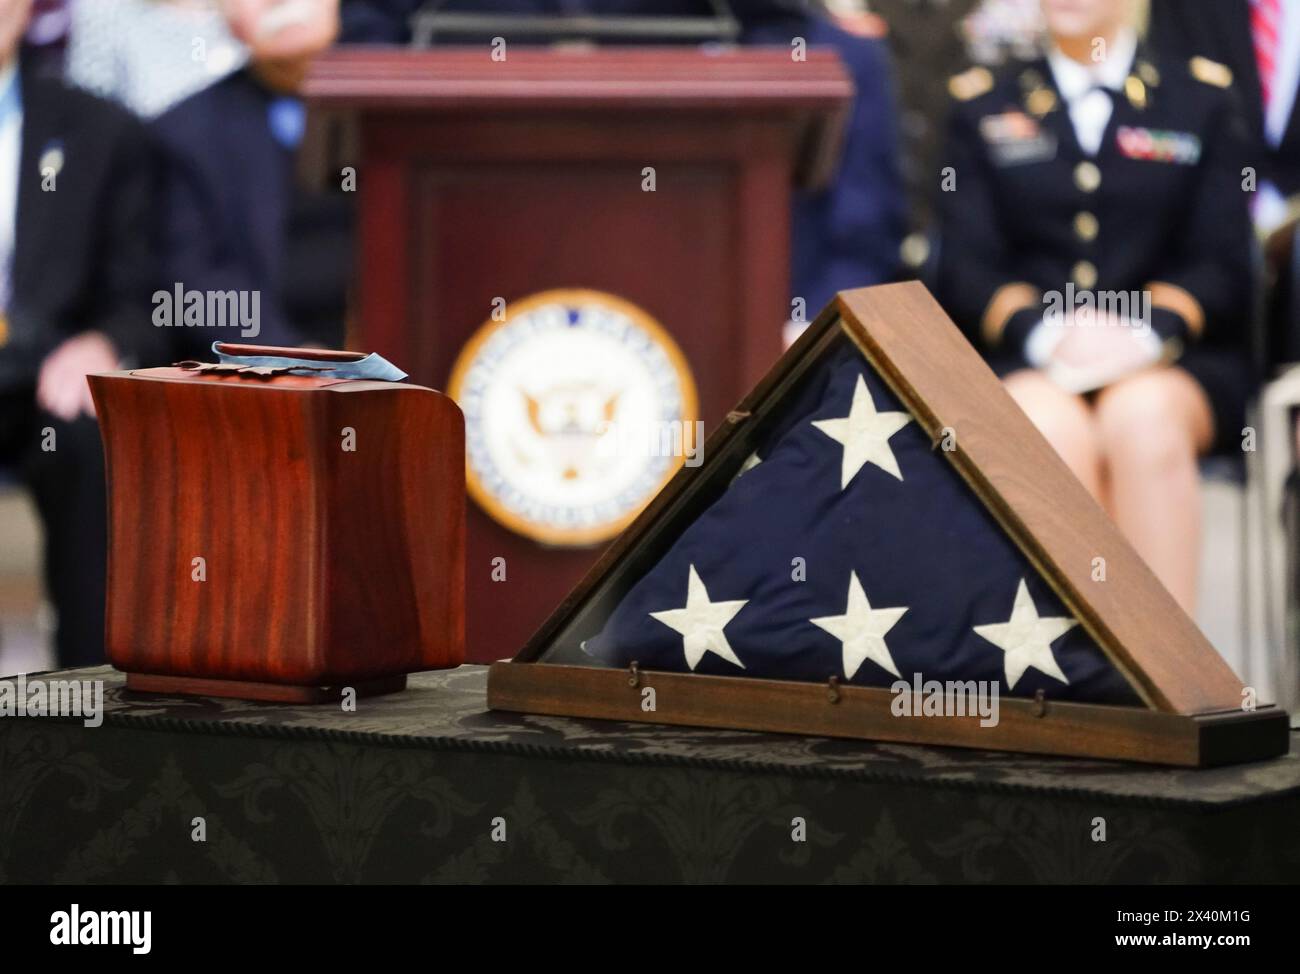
(1194, 707)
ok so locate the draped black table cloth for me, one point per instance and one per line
(428, 786)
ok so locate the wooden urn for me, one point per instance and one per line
(281, 536)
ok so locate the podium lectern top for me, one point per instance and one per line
(745, 81)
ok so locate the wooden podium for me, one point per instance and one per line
(658, 180)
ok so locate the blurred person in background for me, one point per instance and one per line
(217, 82)
(234, 216)
(1095, 244)
(849, 233)
(147, 55)
(76, 177)
(1259, 41)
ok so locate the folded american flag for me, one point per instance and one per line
(852, 548)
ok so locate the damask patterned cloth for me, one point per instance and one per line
(407, 790)
(448, 710)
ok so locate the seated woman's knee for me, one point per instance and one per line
(1063, 418)
(1150, 419)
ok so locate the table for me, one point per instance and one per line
(428, 786)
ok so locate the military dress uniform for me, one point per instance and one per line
(1159, 208)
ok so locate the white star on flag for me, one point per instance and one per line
(701, 623)
(1027, 638)
(751, 461)
(861, 630)
(864, 434)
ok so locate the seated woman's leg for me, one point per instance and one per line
(1154, 425)
(1065, 421)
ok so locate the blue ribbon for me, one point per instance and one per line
(371, 367)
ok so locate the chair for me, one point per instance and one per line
(1275, 458)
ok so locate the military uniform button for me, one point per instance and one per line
(915, 249)
(1040, 101)
(1084, 274)
(1136, 92)
(1087, 176)
(1085, 226)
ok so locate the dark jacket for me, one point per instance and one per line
(847, 234)
(1220, 30)
(225, 205)
(82, 256)
(1160, 208)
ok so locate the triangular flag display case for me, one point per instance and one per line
(1188, 709)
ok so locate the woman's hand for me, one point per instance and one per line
(1106, 342)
